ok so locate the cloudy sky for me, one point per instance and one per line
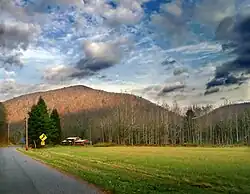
(192, 51)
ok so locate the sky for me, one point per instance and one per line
(192, 52)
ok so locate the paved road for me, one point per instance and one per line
(20, 174)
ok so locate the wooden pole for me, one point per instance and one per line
(26, 133)
(8, 133)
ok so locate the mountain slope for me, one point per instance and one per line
(82, 108)
(66, 100)
(225, 112)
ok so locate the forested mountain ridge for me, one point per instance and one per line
(66, 100)
(225, 112)
(228, 124)
(81, 107)
(71, 99)
(128, 119)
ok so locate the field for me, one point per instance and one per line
(127, 170)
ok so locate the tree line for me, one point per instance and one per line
(130, 124)
(135, 123)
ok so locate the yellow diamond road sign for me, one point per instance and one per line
(43, 137)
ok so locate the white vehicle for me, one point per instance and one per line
(70, 140)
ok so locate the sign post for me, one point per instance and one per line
(43, 137)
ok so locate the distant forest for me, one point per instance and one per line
(129, 125)
(137, 123)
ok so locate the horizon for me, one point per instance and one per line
(163, 51)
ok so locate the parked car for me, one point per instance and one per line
(76, 141)
(83, 142)
(70, 140)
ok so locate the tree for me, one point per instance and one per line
(16, 137)
(55, 133)
(38, 122)
(2, 123)
(189, 125)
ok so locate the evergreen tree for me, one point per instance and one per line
(38, 122)
(56, 131)
(2, 123)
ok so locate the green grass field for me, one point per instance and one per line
(127, 170)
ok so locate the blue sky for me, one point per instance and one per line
(162, 50)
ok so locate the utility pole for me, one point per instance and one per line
(26, 133)
(8, 127)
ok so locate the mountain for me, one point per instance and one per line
(129, 119)
(223, 113)
(82, 108)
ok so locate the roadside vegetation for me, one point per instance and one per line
(155, 170)
(3, 125)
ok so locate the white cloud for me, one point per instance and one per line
(198, 48)
(106, 52)
(58, 74)
(9, 74)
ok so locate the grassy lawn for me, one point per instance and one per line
(127, 170)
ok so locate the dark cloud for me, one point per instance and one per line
(162, 89)
(153, 88)
(168, 62)
(10, 60)
(93, 65)
(226, 30)
(89, 67)
(79, 74)
(235, 35)
(226, 80)
(171, 88)
(15, 37)
(212, 90)
(98, 56)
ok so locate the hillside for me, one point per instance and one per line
(225, 112)
(67, 100)
(82, 108)
(128, 119)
